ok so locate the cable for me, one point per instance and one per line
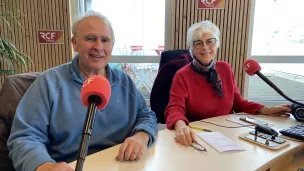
(227, 126)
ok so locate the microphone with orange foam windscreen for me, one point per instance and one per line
(252, 67)
(96, 86)
(95, 94)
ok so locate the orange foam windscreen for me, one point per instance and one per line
(96, 85)
(251, 66)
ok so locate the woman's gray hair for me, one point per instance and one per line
(195, 32)
(82, 16)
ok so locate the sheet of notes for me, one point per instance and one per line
(219, 142)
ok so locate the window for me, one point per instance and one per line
(278, 45)
(278, 28)
(143, 75)
(139, 27)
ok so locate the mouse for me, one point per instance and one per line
(266, 129)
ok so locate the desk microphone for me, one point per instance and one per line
(252, 67)
(95, 94)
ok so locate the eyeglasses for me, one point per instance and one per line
(198, 146)
(199, 44)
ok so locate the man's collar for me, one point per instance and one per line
(77, 76)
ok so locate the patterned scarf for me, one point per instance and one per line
(210, 73)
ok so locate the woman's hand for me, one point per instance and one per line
(282, 110)
(183, 134)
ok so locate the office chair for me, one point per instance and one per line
(11, 93)
(170, 62)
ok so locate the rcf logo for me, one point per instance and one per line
(208, 2)
(47, 36)
(88, 81)
(50, 36)
(247, 66)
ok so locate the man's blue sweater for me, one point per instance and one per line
(50, 117)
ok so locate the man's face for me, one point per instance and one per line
(94, 44)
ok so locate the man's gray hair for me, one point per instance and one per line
(80, 17)
(195, 32)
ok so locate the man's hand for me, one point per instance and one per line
(134, 147)
(49, 166)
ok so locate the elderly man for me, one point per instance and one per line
(47, 127)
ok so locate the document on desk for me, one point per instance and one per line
(238, 121)
(219, 142)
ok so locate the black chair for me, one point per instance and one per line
(169, 55)
(11, 93)
(170, 62)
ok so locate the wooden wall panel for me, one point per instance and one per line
(233, 22)
(43, 15)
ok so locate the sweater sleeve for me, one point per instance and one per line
(29, 135)
(242, 105)
(176, 109)
(145, 119)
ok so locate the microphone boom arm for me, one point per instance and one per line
(276, 88)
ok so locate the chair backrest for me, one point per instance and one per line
(11, 93)
(170, 62)
(169, 55)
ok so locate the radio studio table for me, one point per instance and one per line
(167, 155)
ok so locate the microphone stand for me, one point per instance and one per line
(276, 88)
(94, 101)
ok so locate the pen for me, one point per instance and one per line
(201, 129)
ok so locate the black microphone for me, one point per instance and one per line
(252, 67)
(95, 94)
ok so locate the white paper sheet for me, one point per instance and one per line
(238, 121)
(219, 142)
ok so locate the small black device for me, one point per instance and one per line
(296, 132)
(297, 111)
(269, 137)
(266, 129)
(265, 136)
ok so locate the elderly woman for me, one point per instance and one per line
(206, 88)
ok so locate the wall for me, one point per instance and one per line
(44, 15)
(233, 21)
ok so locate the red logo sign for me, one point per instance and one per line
(50, 36)
(215, 4)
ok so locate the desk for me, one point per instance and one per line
(166, 155)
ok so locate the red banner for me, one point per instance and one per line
(50, 37)
(210, 4)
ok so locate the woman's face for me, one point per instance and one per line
(205, 48)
